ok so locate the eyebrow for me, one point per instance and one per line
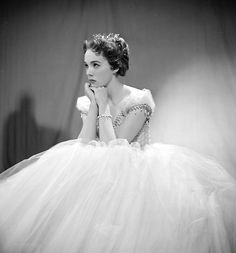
(92, 62)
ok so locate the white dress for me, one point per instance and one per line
(118, 197)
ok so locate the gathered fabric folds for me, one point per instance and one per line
(94, 197)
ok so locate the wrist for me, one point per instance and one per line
(93, 107)
(104, 108)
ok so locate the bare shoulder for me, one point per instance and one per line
(136, 91)
(141, 96)
(130, 88)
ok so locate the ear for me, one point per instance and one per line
(115, 71)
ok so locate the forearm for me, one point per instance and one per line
(88, 131)
(106, 130)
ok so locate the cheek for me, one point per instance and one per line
(105, 74)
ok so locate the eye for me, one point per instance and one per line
(95, 65)
(86, 65)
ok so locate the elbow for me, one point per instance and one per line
(107, 139)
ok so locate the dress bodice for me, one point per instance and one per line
(137, 100)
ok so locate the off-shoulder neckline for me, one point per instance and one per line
(132, 91)
(123, 103)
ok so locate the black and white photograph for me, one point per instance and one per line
(117, 126)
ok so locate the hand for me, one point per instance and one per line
(101, 95)
(89, 93)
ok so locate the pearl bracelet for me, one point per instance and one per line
(106, 116)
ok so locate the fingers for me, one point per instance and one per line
(89, 92)
(86, 85)
(97, 88)
(94, 93)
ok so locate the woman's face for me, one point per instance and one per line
(98, 69)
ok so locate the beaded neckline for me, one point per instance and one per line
(121, 108)
(119, 105)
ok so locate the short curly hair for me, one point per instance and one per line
(113, 48)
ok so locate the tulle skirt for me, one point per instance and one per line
(117, 197)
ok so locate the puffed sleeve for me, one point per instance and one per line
(82, 105)
(146, 98)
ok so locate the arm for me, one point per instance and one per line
(106, 130)
(129, 128)
(88, 131)
(134, 120)
(132, 124)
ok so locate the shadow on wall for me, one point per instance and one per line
(22, 137)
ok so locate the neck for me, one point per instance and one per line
(115, 89)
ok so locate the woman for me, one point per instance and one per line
(104, 63)
(110, 190)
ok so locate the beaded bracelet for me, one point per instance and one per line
(106, 116)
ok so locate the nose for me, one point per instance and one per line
(89, 72)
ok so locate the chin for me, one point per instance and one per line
(102, 85)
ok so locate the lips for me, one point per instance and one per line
(92, 81)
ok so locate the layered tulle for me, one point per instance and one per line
(119, 197)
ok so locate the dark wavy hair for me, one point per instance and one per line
(113, 48)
